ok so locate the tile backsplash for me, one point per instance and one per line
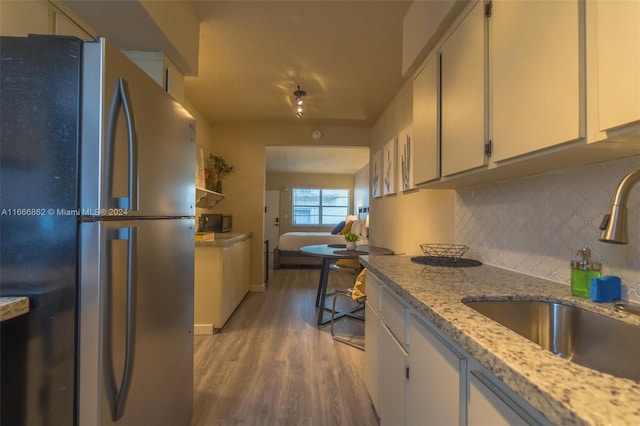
(536, 225)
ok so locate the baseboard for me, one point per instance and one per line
(202, 329)
(258, 288)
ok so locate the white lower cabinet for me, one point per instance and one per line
(435, 379)
(486, 407)
(372, 357)
(393, 380)
(491, 402)
(221, 282)
(422, 377)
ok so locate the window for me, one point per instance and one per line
(319, 207)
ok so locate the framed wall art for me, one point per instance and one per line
(405, 158)
(389, 167)
(376, 175)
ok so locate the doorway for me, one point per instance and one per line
(272, 218)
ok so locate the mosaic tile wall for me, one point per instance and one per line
(536, 225)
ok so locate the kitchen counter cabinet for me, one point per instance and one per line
(372, 330)
(537, 384)
(490, 405)
(221, 279)
(463, 96)
(536, 55)
(392, 369)
(393, 380)
(436, 370)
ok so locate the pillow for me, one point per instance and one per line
(347, 228)
(356, 227)
(338, 228)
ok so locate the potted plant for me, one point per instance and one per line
(351, 240)
(220, 168)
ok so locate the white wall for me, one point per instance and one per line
(536, 225)
(403, 221)
(361, 189)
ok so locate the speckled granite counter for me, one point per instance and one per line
(223, 239)
(11, 307)
(566, 393)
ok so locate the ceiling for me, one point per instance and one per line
(315, 159)
(347, 56)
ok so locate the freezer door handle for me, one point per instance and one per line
(118, 396)
(122, 99)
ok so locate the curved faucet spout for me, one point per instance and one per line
(614, 224)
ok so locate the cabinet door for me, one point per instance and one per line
(618, 33)
(487, 407)
(537, 75)
(435, 373)
(371, 352)
(392, 374)
(463, 81)
(227, 292)
(240, 271)
(426, 129)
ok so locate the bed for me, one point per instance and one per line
(287, 252)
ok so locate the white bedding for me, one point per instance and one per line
(292, 241)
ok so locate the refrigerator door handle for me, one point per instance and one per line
(118, 397)
(123, 99)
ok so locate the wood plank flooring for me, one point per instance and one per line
(271, 365)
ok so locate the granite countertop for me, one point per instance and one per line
(565, 392)
(11, 307)
(222, 239)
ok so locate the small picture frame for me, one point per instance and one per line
(389, 167)
(376, 175)
(405, 158)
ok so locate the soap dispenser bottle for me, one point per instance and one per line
(582, 270)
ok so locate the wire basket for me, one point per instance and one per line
(443, 253)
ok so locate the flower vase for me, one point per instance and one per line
(219, 186)
(351, 245)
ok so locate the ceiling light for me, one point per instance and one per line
(299, 94)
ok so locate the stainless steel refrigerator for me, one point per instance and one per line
(97, 196)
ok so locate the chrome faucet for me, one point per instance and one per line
(614, 224)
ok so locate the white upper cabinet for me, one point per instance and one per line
(426, 139)
(537, 75)
(463, 85)
(618, 52)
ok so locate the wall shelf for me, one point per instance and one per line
(207, 199)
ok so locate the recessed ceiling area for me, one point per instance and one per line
(315, 159)
(347, 56)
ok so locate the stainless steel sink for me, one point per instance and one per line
(584, 337)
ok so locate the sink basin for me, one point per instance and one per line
(581, 336)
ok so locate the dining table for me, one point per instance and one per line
(330, 253)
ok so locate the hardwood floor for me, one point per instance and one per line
(271, 365)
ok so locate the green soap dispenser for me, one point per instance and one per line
(582, 270)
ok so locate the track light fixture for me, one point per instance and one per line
(299, 94)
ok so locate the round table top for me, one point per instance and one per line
(339, 251)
